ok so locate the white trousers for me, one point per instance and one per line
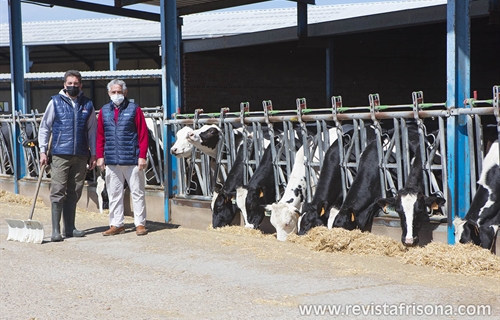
(116, 176)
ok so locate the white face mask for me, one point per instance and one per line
(117, 99)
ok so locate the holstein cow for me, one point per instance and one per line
(327, 192)
(285, 213)
(482, 221)
(223, 208)
(360, 206)
(206, 139)
(259, 191)
(411, 204)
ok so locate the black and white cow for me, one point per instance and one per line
(223, 208)
(411, 204)
(327, 191)
(482, 221)
(206, 139)
(259, 191)
(285, 213)
(359, 207)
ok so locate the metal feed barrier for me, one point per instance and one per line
(29, 124)
(311, 126)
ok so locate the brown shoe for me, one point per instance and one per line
(114, 231)
(141, 231)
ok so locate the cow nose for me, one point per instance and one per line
(410, 242)
(173, 150)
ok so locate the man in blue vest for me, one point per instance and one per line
(121, 149)
(70, 118)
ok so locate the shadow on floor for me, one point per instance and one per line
(151, 226)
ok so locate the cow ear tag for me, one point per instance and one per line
(261, 194)
(434, 206)
(267, 213)
(322, 212)
(352, 217)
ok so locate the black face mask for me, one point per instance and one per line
(72, 90)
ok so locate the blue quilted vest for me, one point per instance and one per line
(121, 146)
(69, 130)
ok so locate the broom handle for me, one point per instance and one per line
(40, 175)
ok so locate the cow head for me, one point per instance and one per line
(466, 231)
(251, 202)
(206, 139)
(412, 209)
(223, 209)
(284, 219)
(346, 218)
(312, 216)
(182, 148)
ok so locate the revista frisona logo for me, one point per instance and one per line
(401, 309)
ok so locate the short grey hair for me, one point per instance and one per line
(117, 82)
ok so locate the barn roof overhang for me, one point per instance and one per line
(323, 30)
(184, 7)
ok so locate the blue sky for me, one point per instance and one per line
(31, 12)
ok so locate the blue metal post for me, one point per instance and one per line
(458, 88)
(17, 84)
(170, 43)
(113, 60)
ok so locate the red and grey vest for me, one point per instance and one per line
(121, 145)
(69, 130)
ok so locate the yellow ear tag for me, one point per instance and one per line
(385, 209)
(261, 194)
(434, 206)
(322, 212)
(352, 217)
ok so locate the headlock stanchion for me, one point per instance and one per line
(29, 124)
(6, 144)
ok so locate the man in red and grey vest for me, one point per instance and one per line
(121, 149)
(70, 118)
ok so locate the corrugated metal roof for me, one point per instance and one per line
(89, 75)
(197, 26)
